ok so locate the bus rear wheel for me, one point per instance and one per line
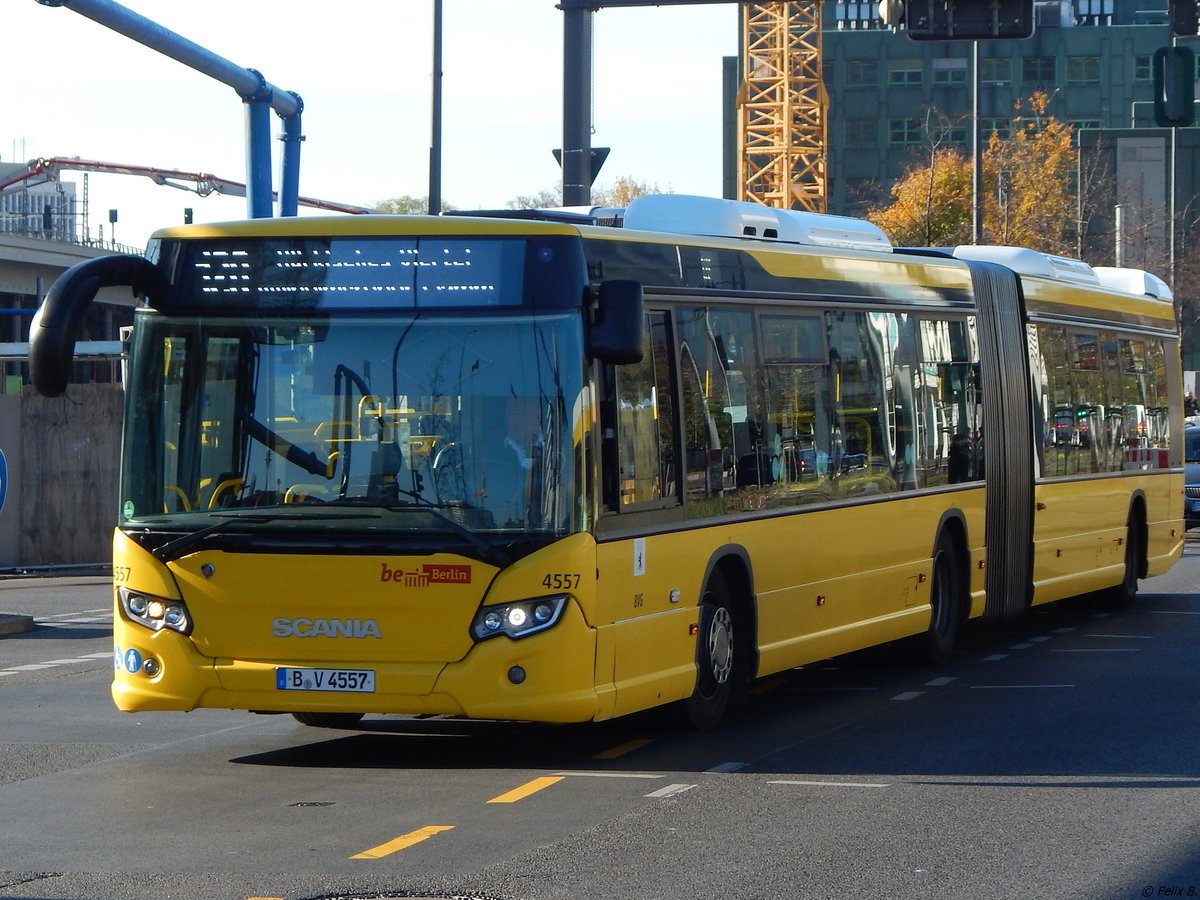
(1123, 595)
(717, 659)
(328, 720)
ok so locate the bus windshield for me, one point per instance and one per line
(447, 428)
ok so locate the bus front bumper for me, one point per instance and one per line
(546, 677)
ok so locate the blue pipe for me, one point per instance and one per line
(289, 167)
(259, 95)
(258, 151)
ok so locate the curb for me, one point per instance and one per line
(11, 623)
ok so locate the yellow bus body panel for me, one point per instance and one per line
(826, 582)
(1079, 531)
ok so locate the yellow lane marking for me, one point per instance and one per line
(622, 749)
(530, 787)
(402, 842)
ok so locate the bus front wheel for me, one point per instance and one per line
(946, 597)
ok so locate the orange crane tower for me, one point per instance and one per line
(782, 107)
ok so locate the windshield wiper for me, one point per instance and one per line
(487, 552)
(180, 546)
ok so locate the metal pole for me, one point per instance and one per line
(977, 153)
(259, 201)
(435, 141)
(1171, 208)
(577, 105)
(1120, 210)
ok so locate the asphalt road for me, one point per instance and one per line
(1054, 757)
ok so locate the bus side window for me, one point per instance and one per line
(646, 421)
(724, 423)
(950, 396)
(863, 446)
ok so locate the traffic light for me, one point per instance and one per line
(1174, 87)
(1183, 17)
(961, 20)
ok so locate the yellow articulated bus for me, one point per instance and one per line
(547, 468)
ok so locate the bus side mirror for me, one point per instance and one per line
(617, 332)
(56, 322)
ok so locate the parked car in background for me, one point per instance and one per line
(1191, 479)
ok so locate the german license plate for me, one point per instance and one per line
(348, 681)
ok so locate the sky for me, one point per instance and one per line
(363, 69)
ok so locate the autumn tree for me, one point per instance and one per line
(931, 203)
(1029, 196)
(1028, 182)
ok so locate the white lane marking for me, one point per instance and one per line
(849, 784)
(1015, 687)
(725, 767)
(607, 775)
(1176, 612)
(54, 663)
(908, 695)
(77, 614)
(1097, 650)
(1139, 637)
(995, 657)
(670, 790)
(1020, 646)
(941, 682)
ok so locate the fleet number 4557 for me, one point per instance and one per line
(561, 581)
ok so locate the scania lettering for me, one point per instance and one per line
(307, 628)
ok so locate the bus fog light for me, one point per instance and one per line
(150, 666)
(516, 675)
(518, 619)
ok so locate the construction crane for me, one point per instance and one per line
(42, 171)
(782, 107)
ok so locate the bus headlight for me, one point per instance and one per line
(155, 613)
(518, 619)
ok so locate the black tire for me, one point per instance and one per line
(328, 720)
(718, 663)
(1124, 595)
(946, 602)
